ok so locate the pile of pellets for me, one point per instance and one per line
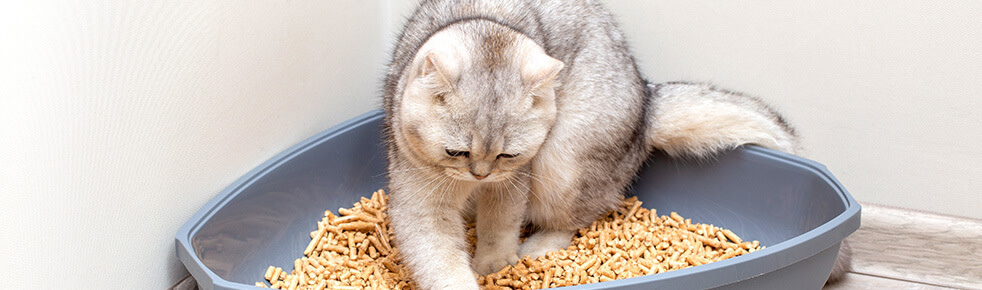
(351, 251)
(355, 251)
(631, 242)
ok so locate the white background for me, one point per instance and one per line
(119, 119)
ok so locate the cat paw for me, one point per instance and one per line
(493, 262)
(541, 243)
(464, 283)
(452, 278)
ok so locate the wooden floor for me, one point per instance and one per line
(862, 281)
(904, 249)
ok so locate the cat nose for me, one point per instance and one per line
(480, 169)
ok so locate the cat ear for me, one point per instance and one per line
(541, 70)
(432, 67)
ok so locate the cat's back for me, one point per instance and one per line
(559, 26)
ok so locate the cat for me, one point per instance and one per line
(531, 111)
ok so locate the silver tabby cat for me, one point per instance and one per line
(531, 111)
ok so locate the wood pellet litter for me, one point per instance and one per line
(355, 251)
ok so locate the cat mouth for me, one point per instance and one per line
(470, 176)
(478, 178)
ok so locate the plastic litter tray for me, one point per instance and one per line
(793, 206)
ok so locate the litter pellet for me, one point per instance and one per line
(350, 251)
(354, 251)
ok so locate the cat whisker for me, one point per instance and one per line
(517, 190)
(539, 178)
(439, 189)
(444, 190)
(526, 185)
(508, 188)
(425, 186)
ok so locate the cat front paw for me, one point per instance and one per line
(456, 283)
(541, 243)
(493, 262)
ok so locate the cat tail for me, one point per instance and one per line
(698, 120)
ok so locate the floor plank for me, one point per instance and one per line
(859, 281)
(916, 246)
(188, 283)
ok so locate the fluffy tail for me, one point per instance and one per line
(698, 120)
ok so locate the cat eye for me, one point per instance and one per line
(503, 155)
(455, 153)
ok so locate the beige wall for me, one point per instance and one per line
(118, 120)
(885, 93)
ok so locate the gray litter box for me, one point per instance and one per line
(793, 206)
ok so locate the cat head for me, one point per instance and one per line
(478, 101)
